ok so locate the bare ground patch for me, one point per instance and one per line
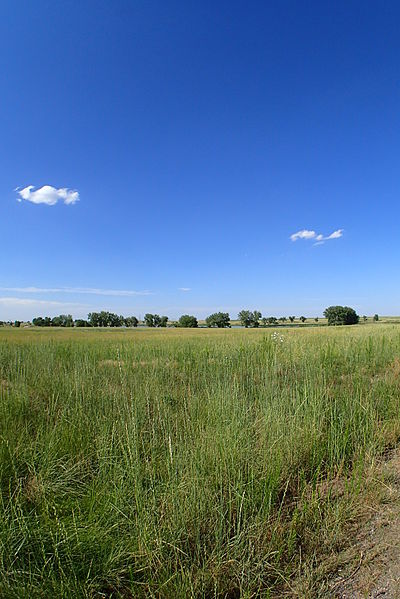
(376, 546)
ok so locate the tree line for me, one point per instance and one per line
(335, 315)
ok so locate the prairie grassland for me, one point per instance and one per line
(185, 463)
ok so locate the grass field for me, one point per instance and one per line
(185, 463)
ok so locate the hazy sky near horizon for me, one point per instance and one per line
(187, 157)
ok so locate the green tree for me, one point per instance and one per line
(219, 319)
(104, 319)
(163, 321)
(376, 317)
(131, 321)
(256, 318)
(249, 319)
(93, 318)
(245, 317)
(38, 321)
(187, 321)
(340, 315)
(80, 322)
(113, 320)
(64, 320)
(365, 318)
(292, 319)
(149, 320)
(68, 320)
(156, 320)
(303, 318)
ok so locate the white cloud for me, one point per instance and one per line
(335, 234)
(77, 290)
(48, 195)
(318, 238)
(303, 234)
(184, 288)
(22, 308)
(22, 301)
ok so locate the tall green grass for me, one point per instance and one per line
(182, 464)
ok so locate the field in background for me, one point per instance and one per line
(185, 463)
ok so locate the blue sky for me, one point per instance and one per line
(199, 136)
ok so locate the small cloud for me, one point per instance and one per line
(78, 290)
(26, 308)
(303, 234)
(184, 288)
(48, 195)
(318, 238)
(335, 234)
(19, 301)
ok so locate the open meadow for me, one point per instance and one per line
(186, 463)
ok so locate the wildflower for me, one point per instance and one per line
(277, 337)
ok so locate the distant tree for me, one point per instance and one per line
(264, 321)
(283, 319)
(339, 315)
(17, 323)
(245, 317)
(105, 319)
(249, 319)
(80, 322)
(272, 320)
(113, 320)
(131, 321)
(292, 318)
(316, 319)
(149, 320)
(376, 317)
(38, 321)
(163, 321)
(188, 322)
(365, 318)
(218, 319)
(63, 320)
(303, 318)
(93, 318)
(256, 318)
(156, 320)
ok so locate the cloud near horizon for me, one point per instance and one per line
(48, 195)
(317, 237)
(23, 301)
(184, 288)
(78, 290)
